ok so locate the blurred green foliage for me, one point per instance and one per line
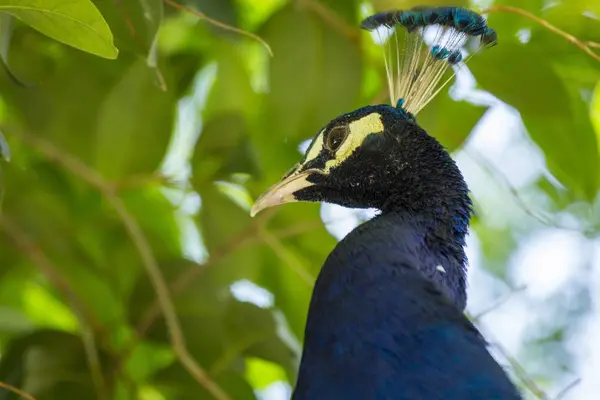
(78, 314)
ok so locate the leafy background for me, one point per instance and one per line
(141, 130)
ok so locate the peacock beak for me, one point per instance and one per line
(282, 192)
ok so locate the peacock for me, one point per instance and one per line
(386, 316)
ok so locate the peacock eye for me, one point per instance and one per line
(336, 137)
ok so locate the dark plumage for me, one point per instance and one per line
(378, 329)
(385, 320)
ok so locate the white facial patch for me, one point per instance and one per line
(441, 269)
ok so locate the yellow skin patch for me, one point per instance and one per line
(358, 131)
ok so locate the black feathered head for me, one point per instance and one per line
(377, 156)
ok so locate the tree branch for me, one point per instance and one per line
(498, 303)
(245, 237)
(17, 391)
(593, 44)
(517, 367)
(290, 260)
(189, 275)
(585, 47)
(164, 299)
(570, 386)
(139, 240)
(331, 18)
(494, 173)
(221, 25)
(39, 259)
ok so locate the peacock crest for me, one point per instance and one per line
(423, 46)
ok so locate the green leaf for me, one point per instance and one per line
(175, 382)
(254, 331)
(50, 365)
(576, 18)
(221, 10)
(51, 195)
(261, 373)
(80, 258)
(157, 216)
(55, 313)
(440, 120)
(554, 114)
(221, 221)
(231, 91)
(347, 9)
(222, 150)
(292, 293)
(14, 321)
(496, 244)
(202, 297)
(315, 75)
(223, 337)
(294, 261)
(253, 13)
(147, 358)
(135, 112)
(77, 23)
(135, 25)
(14, 275)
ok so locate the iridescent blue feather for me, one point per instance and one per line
(436, 39)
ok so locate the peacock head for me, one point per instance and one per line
(378, 156)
